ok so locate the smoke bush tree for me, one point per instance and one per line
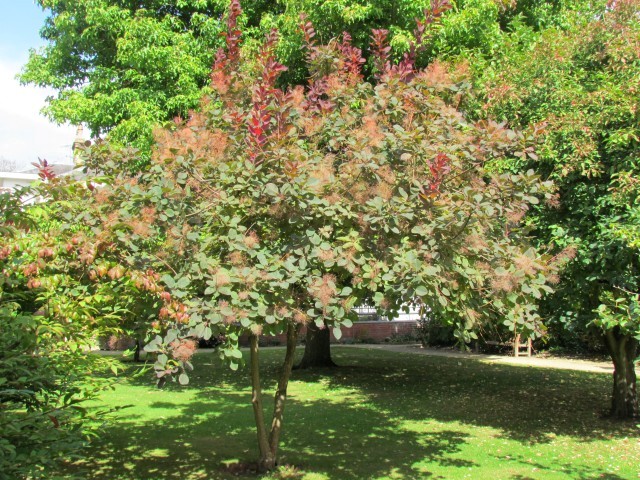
(269, 209)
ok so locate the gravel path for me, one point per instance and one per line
(562, 363)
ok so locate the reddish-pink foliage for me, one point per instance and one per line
(45, 171)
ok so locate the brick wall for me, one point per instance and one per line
(366, 331)
(360, 332)
(378, 331)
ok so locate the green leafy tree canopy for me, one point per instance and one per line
(585, 99)
(122, 66)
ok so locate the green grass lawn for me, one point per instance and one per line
(381, 415)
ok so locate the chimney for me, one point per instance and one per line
(78, 147)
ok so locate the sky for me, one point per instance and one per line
(25, 134)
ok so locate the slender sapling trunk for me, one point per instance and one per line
(136, 351)
(266, 461)
(268, 441)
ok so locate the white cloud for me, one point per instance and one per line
(25, 134)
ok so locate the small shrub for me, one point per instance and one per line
(432, 333)
(402, 338)
(213, 342)
(41, 394)
(117, 343)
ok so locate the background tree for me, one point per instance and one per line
(269, 209)
(587, 98)
(121, 66)
(7, 165)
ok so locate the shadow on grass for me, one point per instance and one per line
(528, 404)
(208, 438)
(353, 422)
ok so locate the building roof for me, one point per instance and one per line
(58, 169)
(19, 175)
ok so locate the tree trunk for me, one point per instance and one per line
(267, 461)
(268, 443)
(317, 349)
(136, 351)
(623, 350)
(281, 393)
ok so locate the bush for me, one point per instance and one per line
(571, 335)
(117, 343)
(41, 393)
(401, 338)
(51, 312)
(433, 333)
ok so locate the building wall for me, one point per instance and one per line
(366, 312)
(12, 180)
(376, 331)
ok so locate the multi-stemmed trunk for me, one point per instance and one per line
(317, 349)
(623, 350)
(268, 439)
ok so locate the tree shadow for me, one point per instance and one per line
(209, 437)
(528, 404)
(542, 470)
(372, 407)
